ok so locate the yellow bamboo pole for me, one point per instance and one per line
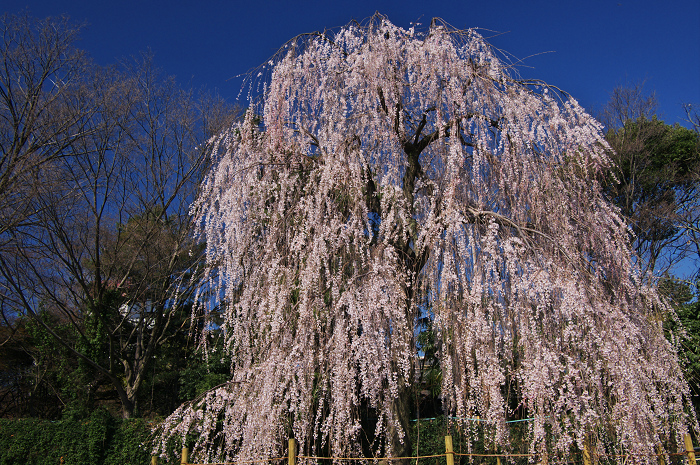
(660, 455)
(185, 456)
(689, 449)
(586, 452)
(449, 453)
(292, 452)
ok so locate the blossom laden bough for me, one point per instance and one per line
(397, 175)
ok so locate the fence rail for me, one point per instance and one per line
(450, 454)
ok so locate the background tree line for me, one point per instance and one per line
(656, 185)
(98, 168)
(97, 263)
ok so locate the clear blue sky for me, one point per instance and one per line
(596, 45)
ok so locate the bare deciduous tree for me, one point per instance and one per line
(42, 112)
(107, 247)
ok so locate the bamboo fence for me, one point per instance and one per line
(589, 457)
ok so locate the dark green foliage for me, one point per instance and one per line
(63, 380)
(181, 373)
(428, 436)
(652, 157)
(429, 374)
(43, 379)
(689, 315)
(15, 369)
(201, 376)
(685, 331)
(99, 439)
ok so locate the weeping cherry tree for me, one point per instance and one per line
(387, 176)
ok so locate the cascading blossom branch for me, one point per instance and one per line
(390, 175)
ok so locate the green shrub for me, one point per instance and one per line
(97, 440)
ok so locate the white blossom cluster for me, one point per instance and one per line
(387, 175)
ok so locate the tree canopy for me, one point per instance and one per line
(387, 176)
(654, 180)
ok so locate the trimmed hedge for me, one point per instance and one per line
(97, 440)
(104, 440)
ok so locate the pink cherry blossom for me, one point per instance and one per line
(388, 174)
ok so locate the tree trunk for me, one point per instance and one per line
(401, 409)
(128, 399)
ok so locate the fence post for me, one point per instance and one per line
(660, 455)
(449, 453)
(689, 449)
(154, 460)
(185, 456)
(586, 452)
(292, 452)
